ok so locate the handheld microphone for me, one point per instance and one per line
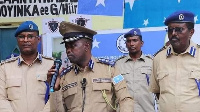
(57, 64)
(84, 83)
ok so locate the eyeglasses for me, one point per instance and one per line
(29, 37)
(176, 29)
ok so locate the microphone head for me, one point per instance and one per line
(84, 80)
(58, 62)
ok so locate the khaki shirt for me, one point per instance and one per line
(22, 87)
(173, 76)
(137, 74)
(99, 78)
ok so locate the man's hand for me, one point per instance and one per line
(50, 74)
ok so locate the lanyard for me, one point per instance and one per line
(198, 85)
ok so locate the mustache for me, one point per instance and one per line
(27, 44)
(174, 37)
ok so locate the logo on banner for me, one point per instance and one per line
(53, 26)
(81, 21)
(121, 46)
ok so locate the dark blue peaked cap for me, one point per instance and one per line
(133, 32)
(180, 16)
(26, 26)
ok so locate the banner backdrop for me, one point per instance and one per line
(112, 45)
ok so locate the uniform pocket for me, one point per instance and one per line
(191, 81)
(13, 88)
(99, 87)
(99, 101)
(41, 88)
(163, 80)
(69, 95)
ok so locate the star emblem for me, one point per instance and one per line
(102, 2)
(196, 18)
(95, 43)
(146, 22)
(131, 2)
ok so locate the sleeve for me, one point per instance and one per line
(5, 104)
(56, 103)
(154, 84)
(123, 97)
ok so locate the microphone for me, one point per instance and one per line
(84, 83)
(57, 64)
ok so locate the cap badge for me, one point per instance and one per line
(31, 26)
(135, 33)
(181, 16)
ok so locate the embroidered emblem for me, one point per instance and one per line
(64, 88)
(181, 17)
(118, 79)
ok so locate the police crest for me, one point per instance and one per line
(53, 26)
(121, 45)
(81, 21)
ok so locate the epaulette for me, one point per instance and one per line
(198, 45)
(8, 60)
(47, 57)
(164, 47)
(120, 58)
(106, 61)
(149, 56)
(65, 71)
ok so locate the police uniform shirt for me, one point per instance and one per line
(22, 86)
(176, 78)
(136, 74)
(99, 78)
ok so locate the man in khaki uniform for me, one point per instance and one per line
(22, 78)
(136, 69)
(176, 69)
(89, 85)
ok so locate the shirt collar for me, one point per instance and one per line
(142, 58)
(190, 50)
(39, 57)
(90, 66)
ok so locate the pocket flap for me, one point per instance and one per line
(13, 82)
(195, 75)
(101, 86)
(42, 77)
(145, 71)
(162, 75)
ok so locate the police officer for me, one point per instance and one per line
(89, 85)
(22, 78)
(176, 69)
(136, 68)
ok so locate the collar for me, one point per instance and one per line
(77, 69)
(39, 57)
(141, 58)
(190, 50)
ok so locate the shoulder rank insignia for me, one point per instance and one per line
(106, 61)
(8, 60)
(65, 71)
(120, 58)
(198, 45)
(117, 79)
(149, 56)
(164, 47)
(47, 57)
